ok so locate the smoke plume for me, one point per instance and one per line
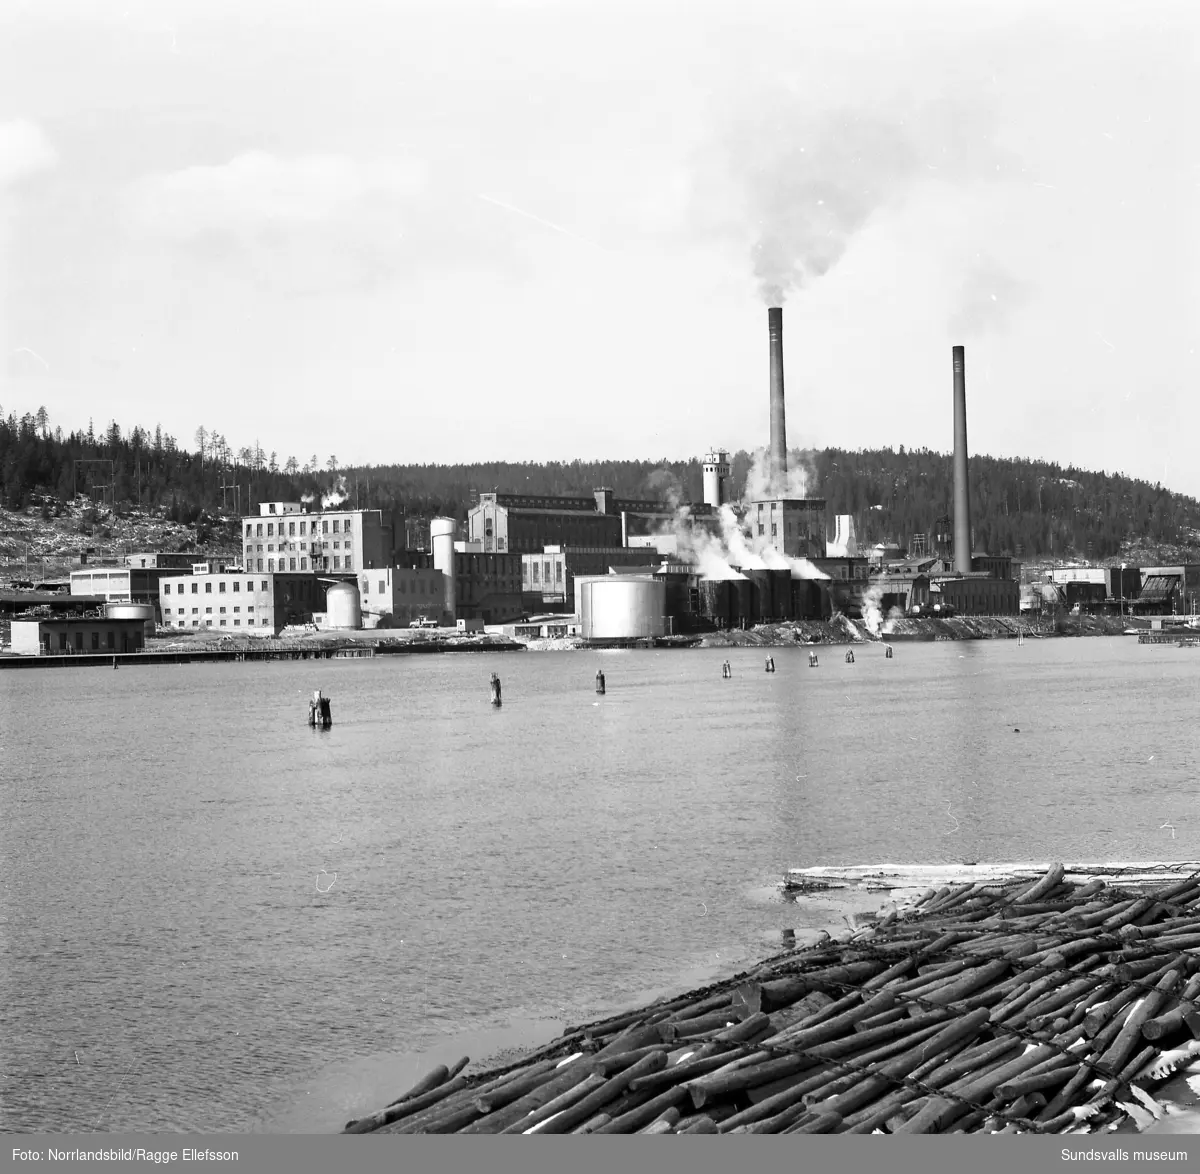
(335, 496)
(759, 482)
(805, 182)
(987, 297)
(874, 620)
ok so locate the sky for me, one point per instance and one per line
(538, 230)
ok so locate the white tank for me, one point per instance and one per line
(132, 611)
(441, 535)
(342, 609)
(621, 607)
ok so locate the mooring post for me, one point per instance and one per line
(495, 689)
(599, 681)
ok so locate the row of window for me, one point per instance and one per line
(208, 586)
(207, 610)
(402, 584)
(255, 529)
(316, 546)
(236, 623)
(111, 642)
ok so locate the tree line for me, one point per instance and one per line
(1022, 507)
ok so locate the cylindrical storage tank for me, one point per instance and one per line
(714, 600)
(132, 611)
(781, 595)
(342, 608)
(763, 605)
(742, 606)
(621, 607)
(441, 535)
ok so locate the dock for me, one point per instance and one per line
(223, 655)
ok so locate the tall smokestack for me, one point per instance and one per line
(778, 453)
(962, 491)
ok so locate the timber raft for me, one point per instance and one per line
(989, 1006)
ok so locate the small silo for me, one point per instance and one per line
(132, 611)
(715, 595)
(342, 607)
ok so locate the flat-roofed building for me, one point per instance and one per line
(395, 596)
(62, 636)
(296, 540)
(244, 602)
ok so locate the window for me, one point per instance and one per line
(195, 588)
(208, 611)
(304, 564)
(166, 588)
(270, 529)
(324, 526)
(291, 564)
(195, 610)
(221, 587)
(208, 588)
(382, 588)
(292, 528)
(224, 622)
(337, 563)
(403, 587)
(335, 525)
(222, 611)
(260, 548)
(258, 530)
(208, 623)
(250, 608)
(302, 528)
(760, 528)
(347, 544)
(349, 562)
(249, 584)
(249, 529)
(195, 623)
(774, 530)
(237, 609)
(265, 585)
(112, 639)
(236, 586)
(95, 641)
(336, 544)
(271, 564)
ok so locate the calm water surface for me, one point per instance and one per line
(207, 906)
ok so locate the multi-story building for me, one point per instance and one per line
(395, 596)
(548, 578)
(487, 586)
(792, 526)
(120, 584)
(527, 523)
(281, 538)
(240, 602)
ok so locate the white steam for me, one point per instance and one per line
(874, 619)
(807, 181)
(758, 478)
(335, 496)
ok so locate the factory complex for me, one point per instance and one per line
(607, 569)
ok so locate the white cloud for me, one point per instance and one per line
(24, 151)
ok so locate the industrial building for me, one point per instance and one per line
(179, 560)
(72, 636)
(1169, 590)
(395, 596)
(976, 594)
(242, 602)
(286, 537)
(548, 578)
(525, 523)
(121, 584)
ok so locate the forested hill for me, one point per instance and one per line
(1024, 507)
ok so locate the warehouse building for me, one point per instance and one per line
(70, 636)
(548, 578)
(240, 602)
(976, 594)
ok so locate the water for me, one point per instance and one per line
(212, 913)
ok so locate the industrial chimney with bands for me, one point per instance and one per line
(778, 454)
(962, 490)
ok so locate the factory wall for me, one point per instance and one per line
(395, 596)
(794, 527)
(487, 586)
(978, 595)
